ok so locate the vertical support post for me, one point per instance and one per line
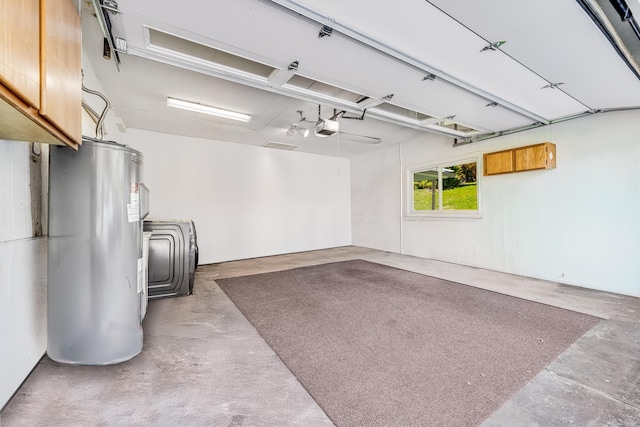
(440, 187)
(433, 194)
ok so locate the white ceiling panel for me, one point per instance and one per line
(138, 94)
(340, 61)
(469, 109)
(376, 50)
(557, 40)
(430, 37)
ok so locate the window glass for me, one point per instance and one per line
(443, 188)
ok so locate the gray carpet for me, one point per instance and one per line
(375, 345)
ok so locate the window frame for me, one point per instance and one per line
(410, 170)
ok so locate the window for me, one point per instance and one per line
(444, 189)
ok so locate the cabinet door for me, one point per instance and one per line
(534, 157)
(61, 80)
(499, 162)
(20, 49)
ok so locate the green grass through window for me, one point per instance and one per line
(464, 197)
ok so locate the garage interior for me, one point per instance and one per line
(347, 104)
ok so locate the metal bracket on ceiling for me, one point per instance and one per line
(458, 142)
(105, 26)
(325, 31)
(387, 97)
(293, 66)
(493, 46)
(342, 113)
(552, 85)
(429, 77)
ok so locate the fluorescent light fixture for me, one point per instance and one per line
(205, 109)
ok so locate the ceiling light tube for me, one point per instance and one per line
(205, 109)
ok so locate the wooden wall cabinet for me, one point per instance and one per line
(531, 157)
(40, 72)
(498, 162)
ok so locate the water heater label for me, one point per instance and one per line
(133, 208)
(133, 212)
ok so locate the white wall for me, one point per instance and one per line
(246, 201)
(23, 334)
(578, 224)
(436, 238)
(375, 200)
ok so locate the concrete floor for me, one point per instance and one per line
(204, 364)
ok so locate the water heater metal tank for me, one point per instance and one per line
(95, 267)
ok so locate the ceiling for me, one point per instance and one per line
(423, 66)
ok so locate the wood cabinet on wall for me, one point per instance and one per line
(40, 72)
(531, 157)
